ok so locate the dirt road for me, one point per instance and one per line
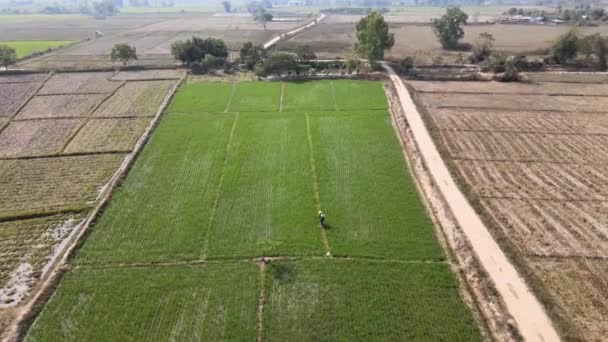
(528, 313)
(292, 33)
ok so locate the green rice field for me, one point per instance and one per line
(236, 172)
(28, 47)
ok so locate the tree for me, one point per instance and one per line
(195, 49)
(448, 28)
(566, 46)
(251, 55)
(305, 53)
(8, 56)
(263, 17)
(277, 64)
(124, 53)
(586, 44)
(600, 50)
(227, 6)
(373, 37)
(104, 8)
(482, 47)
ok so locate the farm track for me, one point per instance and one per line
(530, 317)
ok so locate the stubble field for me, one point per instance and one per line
(235, 172)
(54, 161)
(532, 159)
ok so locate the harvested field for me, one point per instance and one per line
(335, 37)
(25, 248)
(140, 98)
(538, 174)
(214, 302)
(147, 75)
(509, 88)
(493, 101)
(36, 137)
(569, 77)
(216, 189)
(22, 78)
(13, 95)
(81, 82)
(59, 106)
(519, 121)
(583, 291)
(46, 185)
(106, 135)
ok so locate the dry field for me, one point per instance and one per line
(153, 38)
(140, 98)
(145, 75)
(534, 161)
(55, 159)
(335, 36)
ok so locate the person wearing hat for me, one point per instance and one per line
(321, 219)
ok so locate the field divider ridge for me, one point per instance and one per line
(315, 183)
(86, 121)
(261, 301)
(528, 314)
(56, 267)
(34, 93)
(230, 98)
(218, 191)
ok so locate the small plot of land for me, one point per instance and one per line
(142, 75)
(140, 98)
(537, 173)
(29, 186)
(216, 188)
(107, 135)
(13, 95)
(59, 106)
(28, 47)
(205, 302)
(202, 97)
(328, 300)
(77, 83)
(36, 137)
(309, 96)
(25, 248)
(22, 78)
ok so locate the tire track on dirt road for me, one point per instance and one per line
(531, 319)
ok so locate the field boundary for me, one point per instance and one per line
(315, 183)
(527, 312)
(56, 266)
(218, 192)
(14, 114)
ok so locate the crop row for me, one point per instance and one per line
(509, 88)
(135, 99)
(510, 179)
(36, 138)
(526, 146)
(553, 228)
(53, 106)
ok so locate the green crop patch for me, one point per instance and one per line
(300, 96)
(256, 97)
(349, 300)
(182, 303)
(201, 97)
(371, 204)
(27, 47)
(359, 95)
(267, 203)
(161, 212)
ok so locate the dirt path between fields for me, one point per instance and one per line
(527, 312)
(293, 32)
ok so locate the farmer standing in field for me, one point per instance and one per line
(321, 219)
